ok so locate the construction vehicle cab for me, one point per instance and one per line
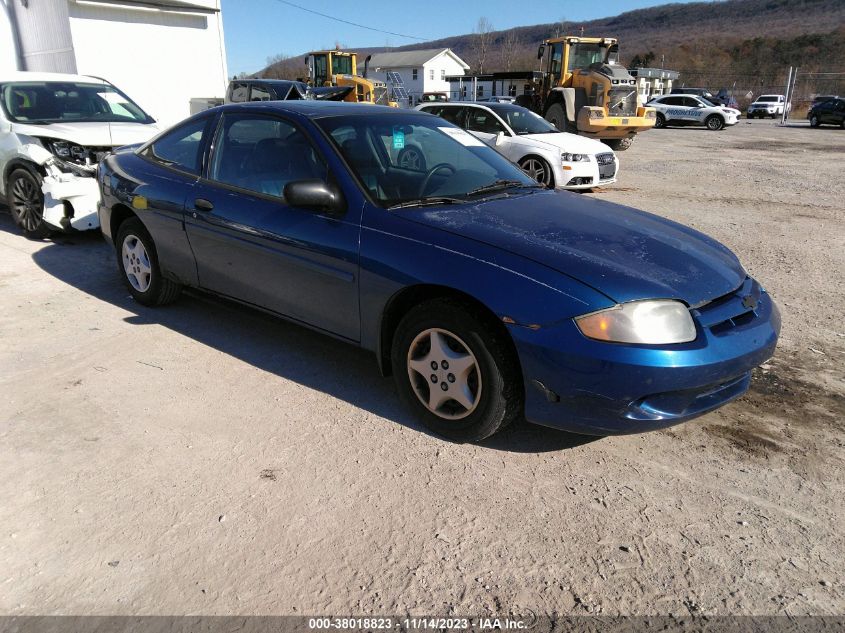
(340, 68)
(585, 90)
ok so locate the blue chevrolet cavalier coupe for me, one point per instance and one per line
(486, 296)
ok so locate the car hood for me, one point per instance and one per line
(569, 142)
(93, 134)
(622, 252)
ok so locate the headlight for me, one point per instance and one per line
(651, 114)
(64, 149)
(596, 114)
(566, 157)
(652, 322)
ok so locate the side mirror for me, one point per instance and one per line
(5, 127)
(541, 51)
(500, 138)
(315, 195)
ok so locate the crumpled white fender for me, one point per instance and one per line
(60, 186)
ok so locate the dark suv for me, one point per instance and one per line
(830, 112)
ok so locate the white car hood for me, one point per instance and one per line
(92, 134)
(570, 143)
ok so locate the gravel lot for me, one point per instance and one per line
(207, 459)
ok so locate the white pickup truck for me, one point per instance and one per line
(771, 105)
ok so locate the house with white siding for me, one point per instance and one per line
(421, 71)
(164, 54)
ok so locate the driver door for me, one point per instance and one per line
(484, 125)
(250, 244)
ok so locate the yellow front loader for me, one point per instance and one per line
(340, 68)
(586, 91)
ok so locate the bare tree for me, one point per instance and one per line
(481, 41)
(283, 66)
(509, 49)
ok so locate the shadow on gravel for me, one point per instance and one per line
(85, 261)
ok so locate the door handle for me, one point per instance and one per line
(201, 204)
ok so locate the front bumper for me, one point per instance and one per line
(593, 122)
(595, 388)
(583, 175)
(70, 201)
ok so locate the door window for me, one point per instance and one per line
(483, 121)
(263, 154)
(556, 60)
(259, 93)
(453, 115)
(181, 148)
(239, 92)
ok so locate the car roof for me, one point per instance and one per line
(24, 76)
(314, 109)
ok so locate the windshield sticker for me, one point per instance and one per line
(464, 138)
(398, 138)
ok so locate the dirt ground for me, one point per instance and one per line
(207, 459)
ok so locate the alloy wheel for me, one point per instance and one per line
(536, 169)
(136, 263)
(26, 204)
(444, 374)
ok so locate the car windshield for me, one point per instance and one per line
(522, 120)
(409, 159)
(767, 99)
(707, 103)
(61, 101)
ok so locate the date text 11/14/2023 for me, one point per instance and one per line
(417, 623)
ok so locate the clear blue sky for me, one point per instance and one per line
(257, 29)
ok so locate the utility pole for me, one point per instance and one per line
(786, 97)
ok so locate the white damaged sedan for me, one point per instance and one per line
(553, 158)
(54, 129)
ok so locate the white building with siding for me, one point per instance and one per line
(162, 53)
(421, 71)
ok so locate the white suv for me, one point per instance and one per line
(54, 129)
(771, 105)
(680, 110)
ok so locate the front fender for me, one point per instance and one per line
(397, 253)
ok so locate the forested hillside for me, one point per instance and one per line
(740, 44)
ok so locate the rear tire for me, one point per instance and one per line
(446, 334)
(137, 262)
(814, 121)
(660, 121)
(26, 203)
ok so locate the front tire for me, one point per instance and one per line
(457, 375)
(714, 122)
(660, 121)
(26, 203)
(137, 261)
(618, 144)
(556, 115)
(538, 169)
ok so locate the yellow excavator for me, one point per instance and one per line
(340, 68)
(585, 90)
